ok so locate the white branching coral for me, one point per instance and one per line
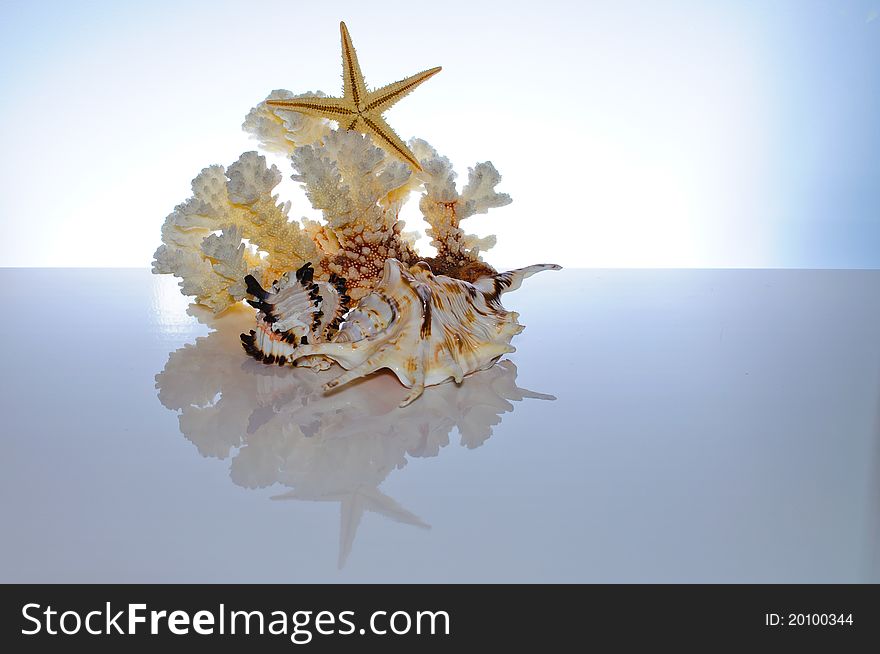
(458, 253)
(233, 226)
(204, 237)
(281, 130)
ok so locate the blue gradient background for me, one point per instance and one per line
(705, 134)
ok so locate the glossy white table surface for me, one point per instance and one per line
(684, 426)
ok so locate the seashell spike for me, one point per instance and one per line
(512, 279)
(425, 328)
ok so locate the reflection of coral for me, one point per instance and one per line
(279, 426)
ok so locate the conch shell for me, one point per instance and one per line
(425, 328)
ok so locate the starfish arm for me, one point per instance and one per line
(382, 99)
(354, 87)
(333, 108)
(386, 138)
(354, 123)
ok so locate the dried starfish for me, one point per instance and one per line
(359, 109)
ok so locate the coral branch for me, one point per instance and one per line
(281, 130)
(360, 190)
(458, 253)
(358, 187)
(238, 203)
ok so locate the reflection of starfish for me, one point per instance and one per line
(359, 109)
(353, 503)
(279, 427)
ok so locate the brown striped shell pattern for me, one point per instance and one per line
(425, 328)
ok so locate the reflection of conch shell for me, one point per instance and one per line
(279, 426)
(425, 328)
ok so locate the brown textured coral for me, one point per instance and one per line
(358, 189)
